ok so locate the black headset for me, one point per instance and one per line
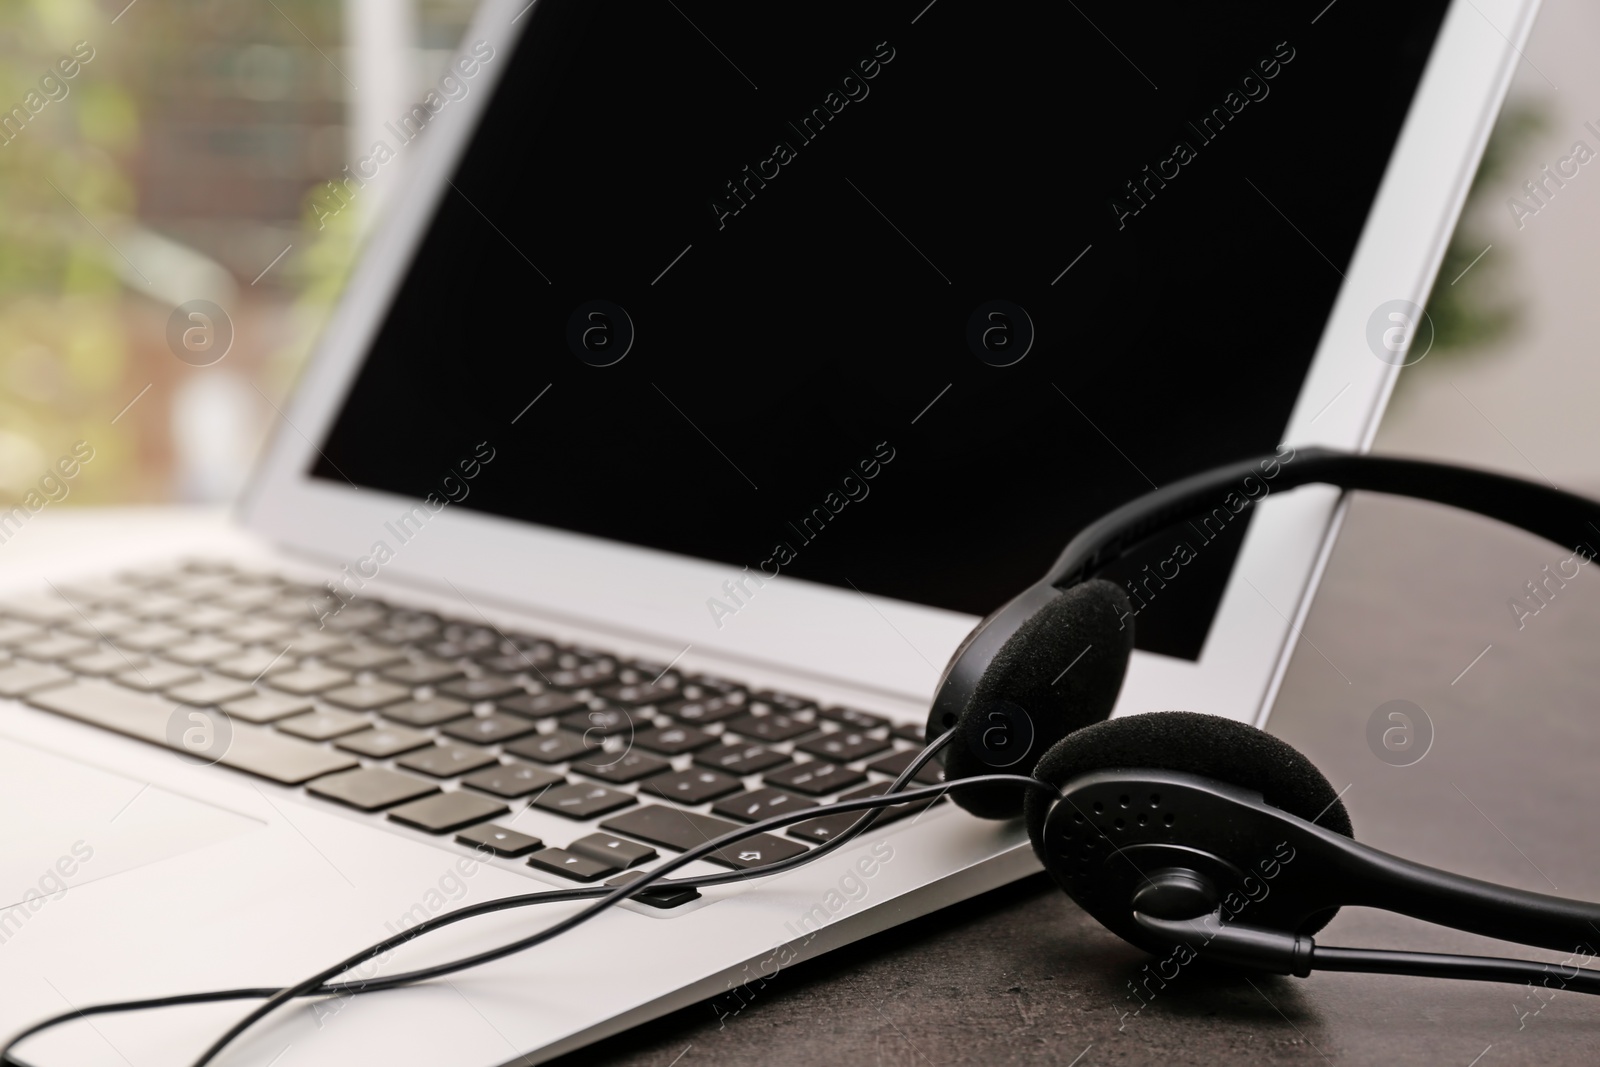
(1167, 827)
(1185, 834)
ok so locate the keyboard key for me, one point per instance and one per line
(682, 830)
(774, 727)
(255, 664)
(158, 607)
(499, 841)
(571, 865)
(704, 709)
(639, 694)
(44, 609)
(266, 707)
(693, 786)
(56, 647)
(201, 586)
(578, 655)
(309, 680)
(842, 746)
(246, 600)
(669, 827)
(354, 617)
(602, 722)
(556, 747)
(619, 770)
(210, 691)
(896, 763)
(582, 800)
(209, 617)
(760, 804)
(662, 894)
(511, 663)
(384, 741)
(816, 778)
(430, 712)
(367, 658)
(702, 686)
(741, 758)
(782, 701)
(516, 663)
(854, 718)
(23, 678)
(463, 645)
(102, 625)
(673, 740)
(312, 643)
(261, 632)
(827, 827)
(415, 624)
(202, 650)
(755, 851)
(324, 725)
(151, 638)
(528, 653)
(487, 687)
(13, 632)
(541, 705)
(262, 752)
(446, 761)
(422, 672)
(489, 729)
(654, 672)
(302, 610)
(371, 788)
(365, 696)
(614, 850)
(111, 661)
(583, 676)
(443, 813)
(512, 780)
(913, 732)
(156, 676)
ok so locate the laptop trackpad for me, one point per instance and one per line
(66, 823)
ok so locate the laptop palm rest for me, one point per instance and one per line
(66, 823)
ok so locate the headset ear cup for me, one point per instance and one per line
(1060, 671)
(1190, 743)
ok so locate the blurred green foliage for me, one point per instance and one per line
(1480, 309)
(81, 326)
(62, 352)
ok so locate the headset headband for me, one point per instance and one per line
(1557, 516)
(1561, 517)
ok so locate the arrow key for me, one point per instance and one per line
(571, 865)
(617, 850)
(497, 840)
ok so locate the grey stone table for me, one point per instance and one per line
(1413, 595)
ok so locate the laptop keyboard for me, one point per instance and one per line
(447, 726)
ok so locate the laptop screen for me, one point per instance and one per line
(889, 296)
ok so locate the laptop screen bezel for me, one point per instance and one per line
(877, 643)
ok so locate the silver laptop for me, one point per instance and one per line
(714, 372)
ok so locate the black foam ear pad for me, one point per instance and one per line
(1190, 743)
(1061, 670)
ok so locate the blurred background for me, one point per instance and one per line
(186, 159)
(190, 154)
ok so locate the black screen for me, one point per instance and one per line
(820, 236)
